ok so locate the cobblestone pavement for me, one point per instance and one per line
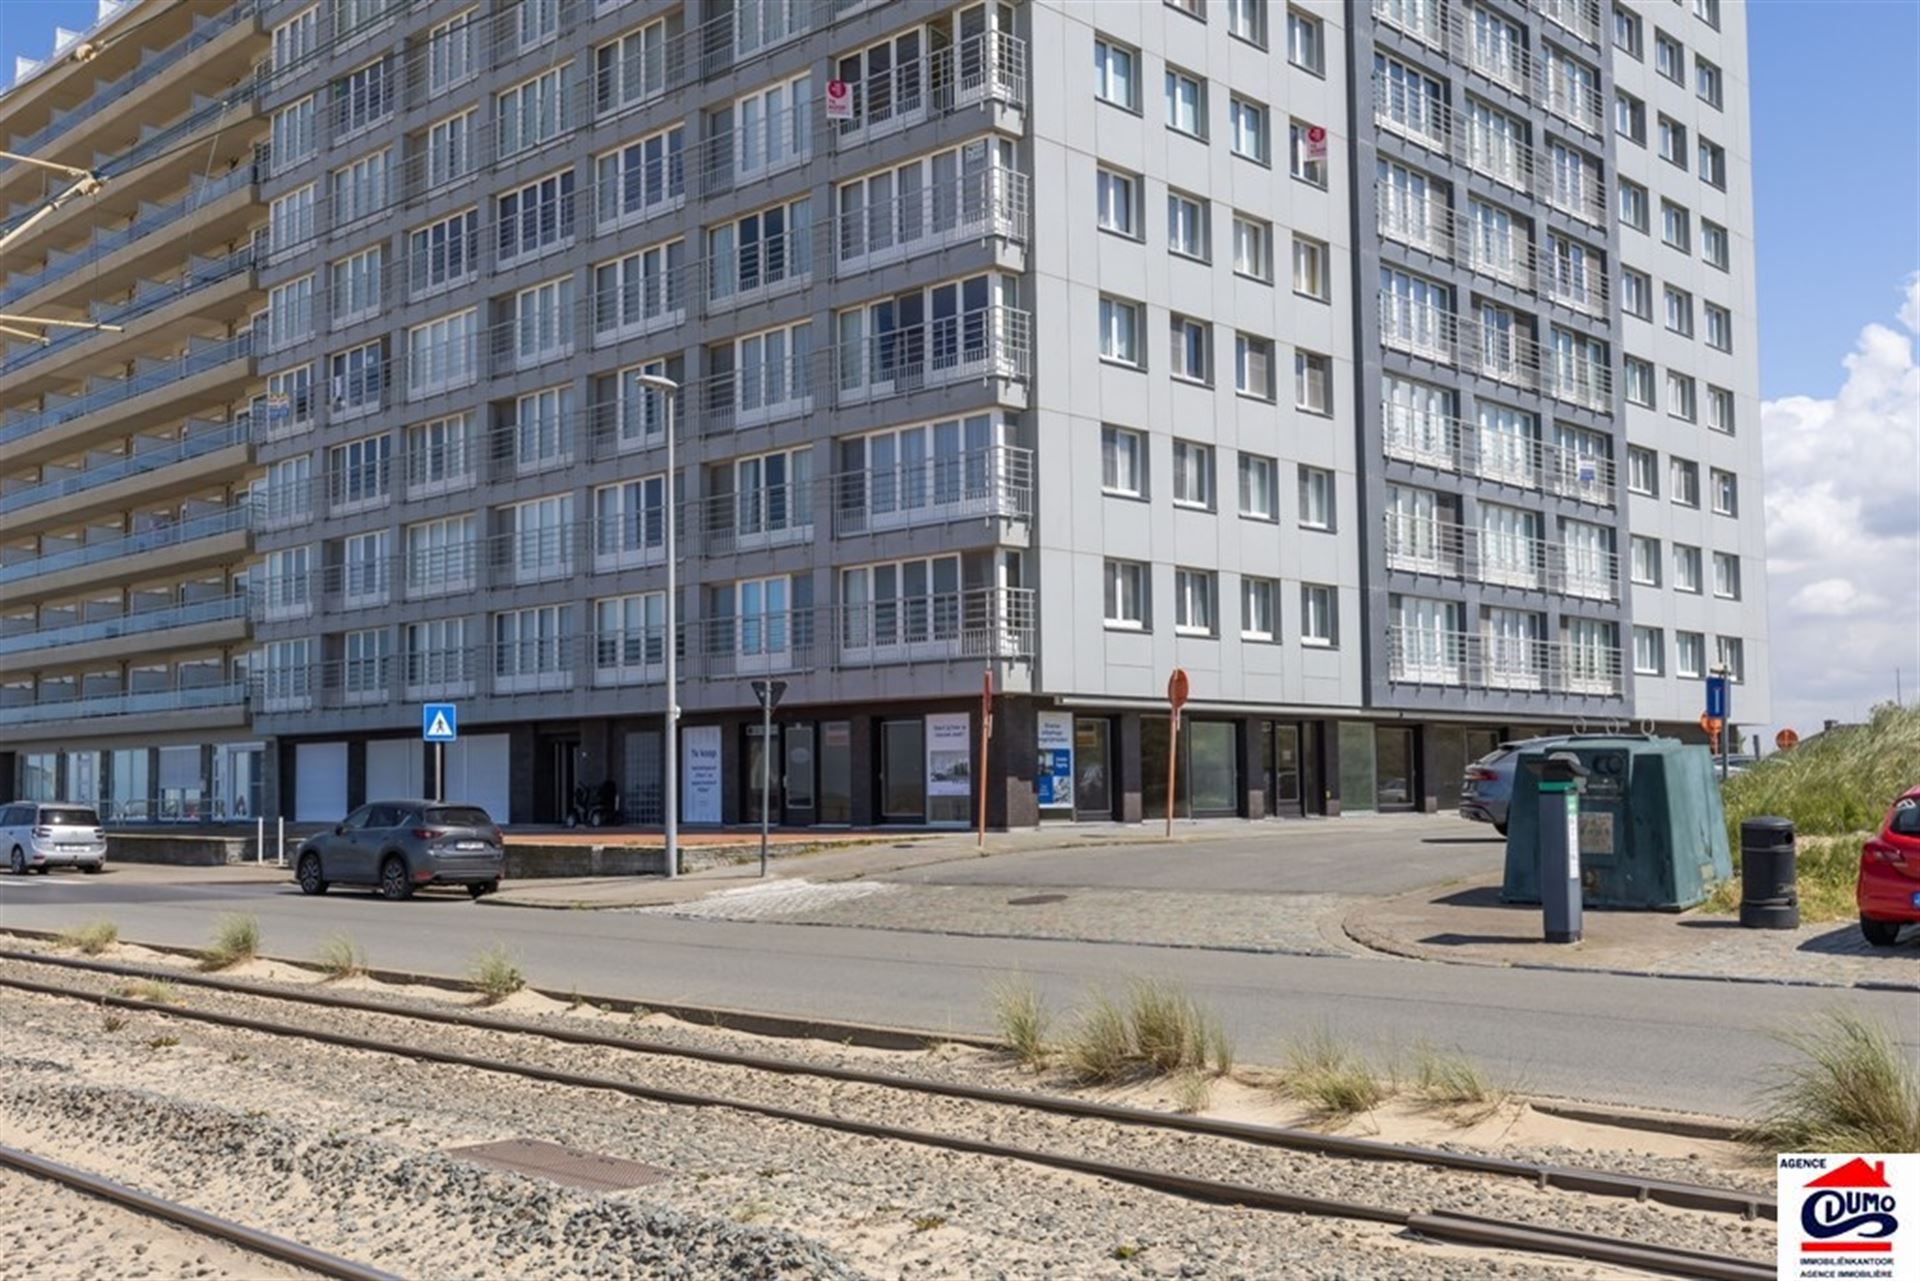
(1304, 924)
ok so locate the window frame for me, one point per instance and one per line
(1116, 576)
(1186, 580)
(1112, 483)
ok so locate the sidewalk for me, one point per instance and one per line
(1469, 925)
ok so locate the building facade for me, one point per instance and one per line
(1053, 345)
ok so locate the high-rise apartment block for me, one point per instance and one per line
(1387, 367)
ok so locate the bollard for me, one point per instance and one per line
(1562, 778)
(1769, 881)
(260, 839)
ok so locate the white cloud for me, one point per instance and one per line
(1843, 531)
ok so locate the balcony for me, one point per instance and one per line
(1568, 99)
(151, 377)
(1577, 17)
(1449, 444)
(1442, 548)
(232, 696)
(201, 445)
(754, 520)
(994, 204)
(1465, 660)
(984, 344)
(990, 67)
(987, 484)
(1444, 28)
(213, 538)
(1492, 350)
(147, 630)
(974, 623)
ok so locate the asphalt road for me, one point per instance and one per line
(1654, 1042)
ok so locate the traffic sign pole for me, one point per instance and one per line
(1176, 699)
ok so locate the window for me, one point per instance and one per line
(537, 216)
(289, 399)
(772, 493)
(1310, 276)
(533, 111)
(290, 312)
(1683, 476)
(1312, 382)
(1252, 138)
(290, 219)
(542, 538)
(437, 656)
(1253, 247)
(1192, 8)
(1636, 293)
(1116, 77)
(1120, 331)
(1708, 11)
(1679, 311)
(1676, 226)
(1720, 410)
(630, 69)
(442, 556)
(449, 148)
(1633, 205)
(1713, 243)
(773, 370)
(364, 560)
(440, 453)
(629, 633)
(1686, 569)
(1247, 19)
(1307, 152)
(1689, 654)
(1253, 366)
(443, 252)
(1628, 36)
(1669, 59)
(1187, 222)
(1193, 602)
(354, 285)
(358, 471)
(1186, 103)
(761, 250)
(535, 21)
(1316, 498)
(361, 97)
(773, 127)
(287, 580)
(1189, 346)
(1730, 654)
(1719, 327)
(633, 293)
(296, 39)
(1306, 42)
(1629, 117)
(443, 354)
(1649, 648)
(1726, 575)
(1123, 461)
(1119, 195)
(641, 178)
(1673, 141)
(1713, 164)
(888, 79)
(1644, 560)
(630, 522)
(1126, 594)
(1680, 396)
(1319, 615)
(293, 134)
(1643, 471)
(1192, 474)
(1258, 597)
(532, 648)
(1706, 82)
(1259, 487)
(543, 319)
(359, 189)
(450, 59)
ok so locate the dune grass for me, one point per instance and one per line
(1022, 1017)
(1331, 1076)
(1852, 1089)
(1156, 1030)
(235, 939)
(495, 975)
(91, 939)
(340, 957)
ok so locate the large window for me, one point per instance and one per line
(450, 53)
(537, 216)
(761, 249)
(543, 322)
(629, 635)
(1126, 594)
(354, 285)
(629, 522)
(1186, 103)
(356, 379)
(290, 219)
(443, 253)
(442, 556)
(772, 376)
(922, 473)
(641, 178)
(888, 80)
(532, 648)
(449, 148)
(534, 111)
(293, 134)
(772, 495)
(910, 602)
(359, 472)
(437, 657)
(1120, 331)
(635, 293)
(361, 97)
(443, 353)
(932, 201)
(1195, 596)
(364, 561)
(1116, 74)
(773, 127)
(440, 453)
(543, 429)
(364, 671)
(543, 538)
(290, 312)
(630, 69)
(1123, 461)
(296, 39)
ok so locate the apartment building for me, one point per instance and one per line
(1054, 344)
(126, 450)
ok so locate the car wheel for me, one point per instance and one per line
(1500, 828)
(395, 884)
(19, 861)
(309, 874)
(92, 869)
(480, 889)
(1879, 933)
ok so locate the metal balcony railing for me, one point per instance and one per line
(988, 342)
(202, 355)
(1492, 351)
(234, 519)
(989, 67)
(1578, 17)
(994, 483)
(1576, 280)
(170, 700)
(139, 623)
(1421, 656)
(1446, 549)
(1568, 97)
(149, 297)
(201, 439)
(1450, 444)
(1459, 32)
(994, 203)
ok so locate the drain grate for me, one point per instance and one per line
(1035, 900)
(556, 1163)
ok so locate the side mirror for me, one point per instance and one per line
(339, 829)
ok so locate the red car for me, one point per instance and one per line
(1889, 889)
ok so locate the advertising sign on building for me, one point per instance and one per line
(949, 758)
(700, 774)
(839, 100)
(1316, 142)
(1054, 772)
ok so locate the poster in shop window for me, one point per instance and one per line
(949, 754)
(700, 774)
(1054, 772)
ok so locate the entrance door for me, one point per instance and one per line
(799, 774)
(1283, 768)
(758, 757)
(1092, 767)
(1393, 754)
(903, 771)
(561, 755)
(1313, 788)
(836, 772)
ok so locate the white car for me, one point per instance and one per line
(48, 836)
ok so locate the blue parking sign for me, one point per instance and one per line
(1717, 697)
(439, 722)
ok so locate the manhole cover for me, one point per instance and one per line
(569, 1166)
(1035, 900)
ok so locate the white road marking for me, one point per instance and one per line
(773, 899)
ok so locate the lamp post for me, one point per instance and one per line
(671, 764)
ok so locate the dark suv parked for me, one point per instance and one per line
(401, 845)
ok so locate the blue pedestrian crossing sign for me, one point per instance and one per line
(439, 722)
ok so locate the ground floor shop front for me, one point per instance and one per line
(168, 782)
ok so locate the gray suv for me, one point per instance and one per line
(1488, 786)
(398, 846)
(49, 836)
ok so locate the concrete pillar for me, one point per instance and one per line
(521, 764)
(1012, 758)
(1253, 785)
(1126, 765)
(357, 780)
(1330, 768)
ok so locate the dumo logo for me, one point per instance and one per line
(1854, 1200)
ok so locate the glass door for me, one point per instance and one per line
(1092, 768)
(799, 773)
(1283, 768)
(759, 757)
(1393, 752)
(836, 772)
(903, 771)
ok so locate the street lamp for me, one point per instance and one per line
(671, 824)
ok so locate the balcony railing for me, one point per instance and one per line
(141, 623)
(1446, 549)
(1419, 656)
(991, 483)
(992, 204)
(989, 67)
(151, 375)
(202, 439)
(1449, 444)
(1492, 351)
(1428, 225)
(1445, 28)
(1566, 97)
(197, 698)
(1579, 17)
(988, 342)
(232, 520)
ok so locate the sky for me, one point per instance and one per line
(1836, 129)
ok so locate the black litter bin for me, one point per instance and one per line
(1769, 889)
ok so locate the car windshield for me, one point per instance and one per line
(69, 817)
(460, 816)
(1906, 819)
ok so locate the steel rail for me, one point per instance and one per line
(1517, 1236)
(210, 1225)
(1566, 1178)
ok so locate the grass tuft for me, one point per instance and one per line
(1160, 1030)
(341, 958)
(1192, 1092)
(157, 991)
(1331, 1076)
(495, 975)
(1100, 1049)
(1451, 1080)
(1023, 1019)
(90, 939)
(1853, 1090)
(235, 939)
